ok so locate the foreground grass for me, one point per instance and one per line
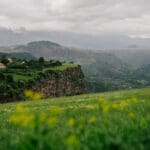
(112, 120)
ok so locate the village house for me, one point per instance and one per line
(10, 60)
(2, 66)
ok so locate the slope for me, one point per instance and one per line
(113, 120)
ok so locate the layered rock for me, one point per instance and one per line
(64, 83)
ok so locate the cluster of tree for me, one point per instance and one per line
(4, 60)
(34, 64)
(6, 78)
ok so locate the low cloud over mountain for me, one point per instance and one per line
(99, 42)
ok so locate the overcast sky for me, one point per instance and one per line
(127, 17)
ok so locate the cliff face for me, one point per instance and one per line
(65, 83)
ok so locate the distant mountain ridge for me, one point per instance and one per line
(103, 41)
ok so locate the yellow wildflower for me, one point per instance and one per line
(28, 93)
(37, 96)
(13, 119)
(33, 95)
(131, 115)
(114, 105)
(104, 105)
(71, 122)
(55, 110)
(92, 119)
(27, 120)
(123, 104)
(22, 120)
(105, 109)
(102, 101)
(52, 122)
(72, 140)
(21, 108)
(132, 100)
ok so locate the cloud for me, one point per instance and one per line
(126, 17)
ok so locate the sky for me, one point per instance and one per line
(95, 17)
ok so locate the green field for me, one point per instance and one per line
(29, 74)
(109, 121)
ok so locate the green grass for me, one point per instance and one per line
(83, 122)
(19, 74)
(64, 66)
(31, 74)
(17, 77)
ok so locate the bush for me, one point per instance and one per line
(2, 76)
(9, 78)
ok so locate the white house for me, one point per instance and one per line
(10, 60)
(2, 66)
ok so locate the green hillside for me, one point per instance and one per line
(22, 74)
(111, 121)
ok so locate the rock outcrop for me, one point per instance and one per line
(64, 83)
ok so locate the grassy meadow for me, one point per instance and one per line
(105, 121)
(29, 74)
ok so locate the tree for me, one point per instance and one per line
(5, 61)
(9, 78)
(41, 60)
(2, 76)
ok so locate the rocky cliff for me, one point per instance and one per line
(63, 83)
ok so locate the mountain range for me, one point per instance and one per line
(87, 41)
